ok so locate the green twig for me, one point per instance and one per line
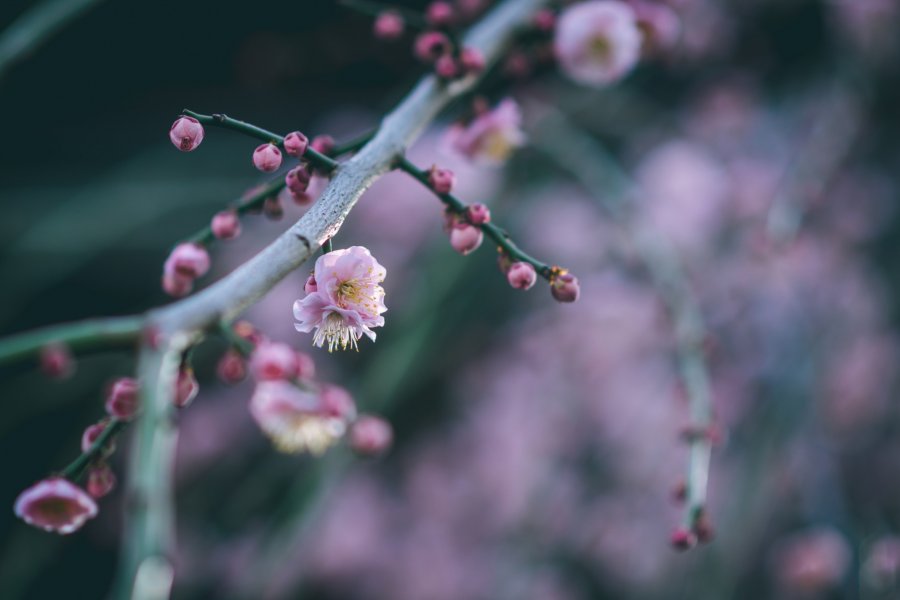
(91, 334)
(76, 468)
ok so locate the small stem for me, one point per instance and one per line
(354, 144)
(85, 335)
(245, 347)
(243, 206)
(317, 159)
(327, 246)
(76, 468)
(498, 235)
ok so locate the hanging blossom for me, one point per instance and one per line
(55, 504)
(345, 301)
(296, 419)
(491, 136)
(598, 42)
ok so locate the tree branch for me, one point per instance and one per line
(79, 336)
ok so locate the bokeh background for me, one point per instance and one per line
(536, 443)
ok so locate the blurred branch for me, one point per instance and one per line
(579, 154)
(82, 335)
(36, 26)
(499, 236)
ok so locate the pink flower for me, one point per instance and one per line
(186, 133)
(389, 25)
(225, 225)
(521, 275)
(122, 401)
(431, 45)
(464, 237)
(293, 418)
(491, 136)
(565, 288)
(55, 504)
(347, 302)
(658, 22)
(310, 286)
(598, 42)
(371, 435)
(267, 158)
(441, 180)
(273, 360)
(295, 144)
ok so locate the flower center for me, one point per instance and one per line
(336, 332)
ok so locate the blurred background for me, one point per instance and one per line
(536, 443)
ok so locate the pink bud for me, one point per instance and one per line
(478, 214)
(91, 433)
(226, 225)
(472, 61)
(295, 144)
(122, 401)
(57, 361)
(188, 260)
(431, 45)
(176, 285)
(389, 25)
(682, 539)
(310, 287)
(306, 368)
(521, 275)
(446, 67)
(565, 288)
(297, 179)
(441, 180)
(439, 14)
(323, 144)
(273, 360)
(101, 481)
(544, 20)
(186, 387)
(267, 158)
(231, 368)
(370, 435)
(337, 402)
(186, 133)
(465, 238)
(272, 208)
(55, 504)
(246, 330)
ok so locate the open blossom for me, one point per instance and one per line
(348, 300)
(55, 504)
(491, 136)
(598, 42)
(294, 418)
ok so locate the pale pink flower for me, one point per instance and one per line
(491, 136)
(348, 300)
(598, 42)
(294, 418)
(56, 505)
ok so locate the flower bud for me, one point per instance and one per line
(446, 67)
(472, 61)
(273, 208)
(683, 539)
(186, 133)
(441, 180)
(465, 238)
(323, 144)
(521, 275)
(297, 179)
(101, 480)
(431, 45)
(267, 158)
(295, 144)
(370, 435)
(176, 285)
(186, 387)
(310, 287)
(231, 368)
(337, 402)
(188, 260)
(122, 401)
(273, 360)
(564, 287)
(439, 14)
(478, 214)
(57, 361)
(90, 435)
(225, 225)
(389, 25)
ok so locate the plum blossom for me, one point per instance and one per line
(347, 301)
(491, 136)
(295, 419)
(598, 42)
(55, 504)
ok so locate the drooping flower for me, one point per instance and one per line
(55, 504)
(295, 419)
(491, 136)
(598, 42)
(348, 300)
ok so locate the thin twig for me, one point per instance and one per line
(85, 335)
